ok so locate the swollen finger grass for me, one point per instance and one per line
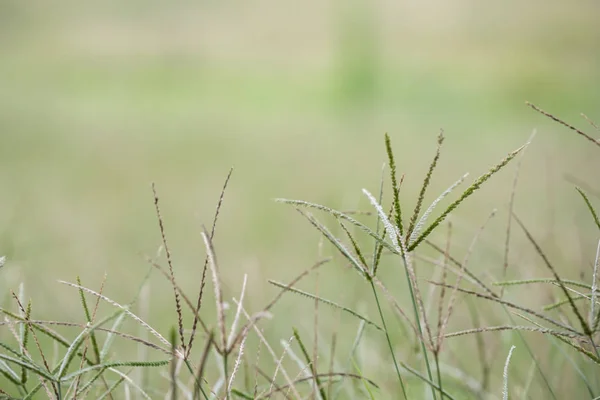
(82, 367)
(402, 243)
(467, 193)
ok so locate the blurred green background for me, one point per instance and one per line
(99, 99)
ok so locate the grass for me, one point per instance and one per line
(98, 100)
(407, 332)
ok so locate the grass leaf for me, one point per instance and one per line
(590, 207)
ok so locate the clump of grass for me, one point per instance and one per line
(85, 363)
(401, 246)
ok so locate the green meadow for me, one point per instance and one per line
(100, 101)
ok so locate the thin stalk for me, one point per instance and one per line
(389, 341)
(418, 321)
(225, 374)
(401, 248)
(439, 373)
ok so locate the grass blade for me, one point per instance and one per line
(310, 362)
(428, 381)
(590, 207)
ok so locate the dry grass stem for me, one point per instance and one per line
(212, 262)
(462, 268)
(273, 355)
(186, 299)
(278, 365)
(205, 266)
(438, 344)
(560, 121)
(592, 123)
(238, 313)
(171, 272)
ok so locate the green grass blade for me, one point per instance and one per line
(89, 383)
(356, 248)
(111, 336)
(589, 206)
(54, 336)
(561, 303)
(575, 367)
(31, 367)
(364, 382)
(310, 362)
(88, 318)
(351, 356)
(242, 395)
(10, 374)
(111, 389)
(389, 340)
(429, 382)
(72, 350)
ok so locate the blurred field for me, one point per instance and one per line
(98, 101)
